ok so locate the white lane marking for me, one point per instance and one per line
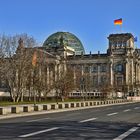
(112, 114)
(91, 119)
(38, 120)
(38, 132)
(127, 110)
(124, 135)
(136, 107)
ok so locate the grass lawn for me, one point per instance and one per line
(6, 103)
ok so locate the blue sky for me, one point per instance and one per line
(90, 20)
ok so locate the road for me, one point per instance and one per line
(116, 122)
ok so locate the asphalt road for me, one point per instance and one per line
(103, 123)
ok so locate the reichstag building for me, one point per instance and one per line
(116, 70)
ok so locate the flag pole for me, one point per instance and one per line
(118, 22)
(120, 28)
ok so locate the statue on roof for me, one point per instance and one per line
(61, 40)
(20, 43)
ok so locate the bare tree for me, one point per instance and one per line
(64, 83)
(16, 63)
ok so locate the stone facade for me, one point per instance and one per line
(118, 70)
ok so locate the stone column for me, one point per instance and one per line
(74, 74)
(138, 70)
(126, 72)
(138, 78)
(99, 77)
(59, 71)
(48, 75)
(63, 67)
(132, 72)
(111, 73)
(90, 75)
(82, 67)
(55, 72)
(51, 77)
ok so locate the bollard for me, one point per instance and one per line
(77, 104)
(36, 108)
(3, 111)
(45, 107)
(15, 109)
(86, 103)
(25, 109)
(72, 105)
(82, 104)
(60, 106)
(91, 103)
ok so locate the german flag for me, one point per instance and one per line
(118, 21)
(34, 59)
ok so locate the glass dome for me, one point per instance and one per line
(69, 40)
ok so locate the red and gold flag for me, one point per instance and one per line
(34, 59)
(118, 21)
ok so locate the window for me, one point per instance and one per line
(124, 44)
(78, 67)
(95, 80)
(115, 44)
(82, 80)
(103, 79)
(119, 44)
(94, 68)
(103, 68)
(119, 68)
(86, 69)
(110, 44)
(119, 80)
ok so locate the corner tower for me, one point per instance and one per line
(121, 44)
(122, 62)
